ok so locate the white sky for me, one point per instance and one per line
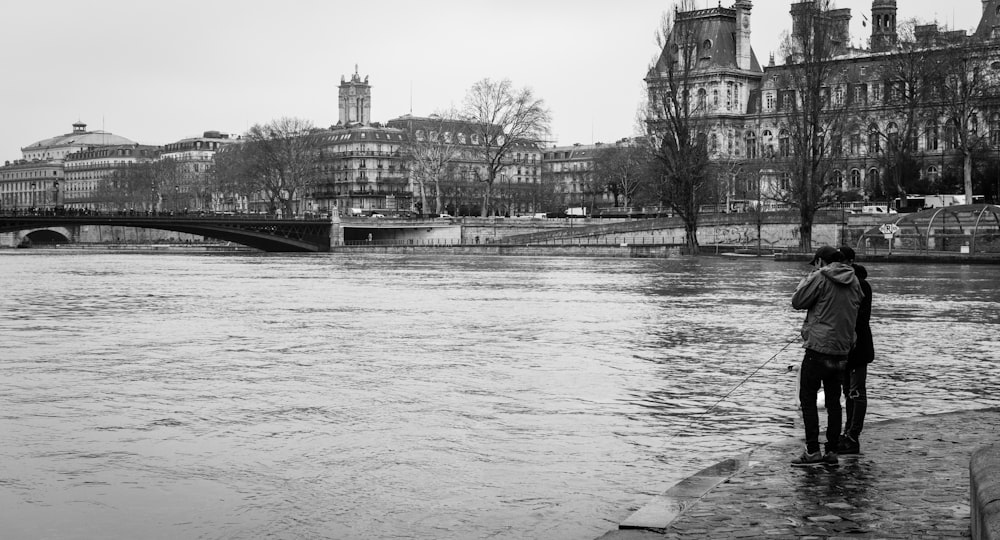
(157, 72)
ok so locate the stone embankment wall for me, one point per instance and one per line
(984, 480)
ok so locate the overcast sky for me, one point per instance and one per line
(157, 72)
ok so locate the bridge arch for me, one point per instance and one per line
(55, 235)
(266, 234)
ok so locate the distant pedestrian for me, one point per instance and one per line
(856, 375)
(831, 295)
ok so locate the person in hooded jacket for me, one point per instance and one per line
(856, 374)
(831, 296)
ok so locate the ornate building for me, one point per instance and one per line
(743, 110)
(194, 157)
(517, 189)
(39, 180)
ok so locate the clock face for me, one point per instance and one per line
(746, 21)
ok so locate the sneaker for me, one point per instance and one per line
(830, 459)
(848, 445)
(808, 460)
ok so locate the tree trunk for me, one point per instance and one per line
(967, 166)
(691, 237)
(805, 230)
(486, 200)
(437, 195)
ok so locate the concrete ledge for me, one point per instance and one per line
(984, 481)
(665, 508)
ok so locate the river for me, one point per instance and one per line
(224, 396)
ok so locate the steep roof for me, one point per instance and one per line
(990, 20)
(714, 31)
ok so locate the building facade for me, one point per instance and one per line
(743, 109)
(38, 181)
(193, 158)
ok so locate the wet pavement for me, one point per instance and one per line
(911, 480)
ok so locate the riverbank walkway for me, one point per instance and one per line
(910, 481)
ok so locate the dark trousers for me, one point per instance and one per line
(824, 370)
(856, 398)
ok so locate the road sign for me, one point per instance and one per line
(889, 228)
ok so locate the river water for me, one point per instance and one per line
(169, 396)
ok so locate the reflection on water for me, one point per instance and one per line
(239, 396)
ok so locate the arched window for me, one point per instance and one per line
(715, 144)
(751, 140)
(702, 99)
(995, 130)
(855, 179)
(784, 147)
(838, 178)
(932, 173)
(872, 182)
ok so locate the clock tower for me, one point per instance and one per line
(743, 49)
(355, 100)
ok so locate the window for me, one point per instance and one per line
(932, 173)
(892, 138)
(838, 178)
(950, 135)
(784, 148)
(770, 101)
(702, 99)
(855, 179)
(876, 92)
(995, 130)
(715, 98)
(874, 143)
(873, 179)
(751, 140)
(932, 137)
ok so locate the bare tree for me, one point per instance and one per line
(285, 162)
(501, 118)
(675, 123)
(813, 115)
(968, 86)
(432, 146)
(236, 172)
(911, 102)
(620, 169)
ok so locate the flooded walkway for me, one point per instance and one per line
(910, 481)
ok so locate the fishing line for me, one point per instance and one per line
(734, 389)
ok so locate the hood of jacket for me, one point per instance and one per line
(839, 273)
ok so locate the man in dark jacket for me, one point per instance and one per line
(831, 295)
(856, 374)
